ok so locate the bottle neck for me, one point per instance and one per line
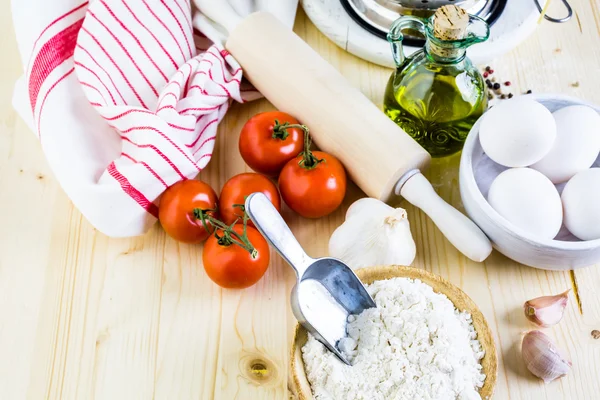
(445, 55)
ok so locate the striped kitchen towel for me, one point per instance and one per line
(125, 97)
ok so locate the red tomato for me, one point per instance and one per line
(266, 151)
(176, 210)
(232, 266)
(313, 192)
(238, 188)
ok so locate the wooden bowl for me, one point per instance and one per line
(461, 301)
(477, 172)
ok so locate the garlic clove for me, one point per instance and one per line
(546, 311)
(542, 357)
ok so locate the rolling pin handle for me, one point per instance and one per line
(467, 237)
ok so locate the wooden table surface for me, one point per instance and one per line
(86, 316)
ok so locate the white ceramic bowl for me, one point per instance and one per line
(477, 172)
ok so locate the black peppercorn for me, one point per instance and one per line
(503, 97)
(510, 95)
(496, 86)
(529, 91)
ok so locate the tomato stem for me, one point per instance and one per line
(201, 214)
(280, 130)
(309, 160)
(229, 235)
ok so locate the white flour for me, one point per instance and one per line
(320, 308)
(414, 345)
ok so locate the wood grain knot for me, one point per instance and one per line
(102, 337)
(259, 370)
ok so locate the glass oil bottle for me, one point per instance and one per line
(436, 95)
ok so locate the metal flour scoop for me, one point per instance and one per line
(326, 290)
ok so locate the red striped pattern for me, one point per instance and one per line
(166, 27)
(55, 22)
(142, 47)
(210, 139)
(52, 54)
(159, 132)
(54, 85)
(149, 168)
(134, 193)
(145, 27)
(188, 36)
(99, 80)
(114, 63)
(94, 88)
(162, 155)
(133, 110)
(137, 64)
(133, 62)
(108, 76)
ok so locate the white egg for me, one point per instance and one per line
(528, 200)
(581, 203)
(576, 146)
(517, 132)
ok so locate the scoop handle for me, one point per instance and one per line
(458, 229)
(271, 225)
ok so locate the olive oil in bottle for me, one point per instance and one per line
(435, 107)
(436, 95)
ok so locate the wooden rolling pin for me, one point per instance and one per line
(379, 156)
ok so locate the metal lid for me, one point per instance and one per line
(377, 16)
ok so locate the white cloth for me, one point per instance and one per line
(125, 97)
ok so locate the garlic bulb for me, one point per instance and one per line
(543, 358)
(373, 234)
(546, 311)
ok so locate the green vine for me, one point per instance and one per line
(229, 236)
(309, 160)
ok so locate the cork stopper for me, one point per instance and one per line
(450, 23)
